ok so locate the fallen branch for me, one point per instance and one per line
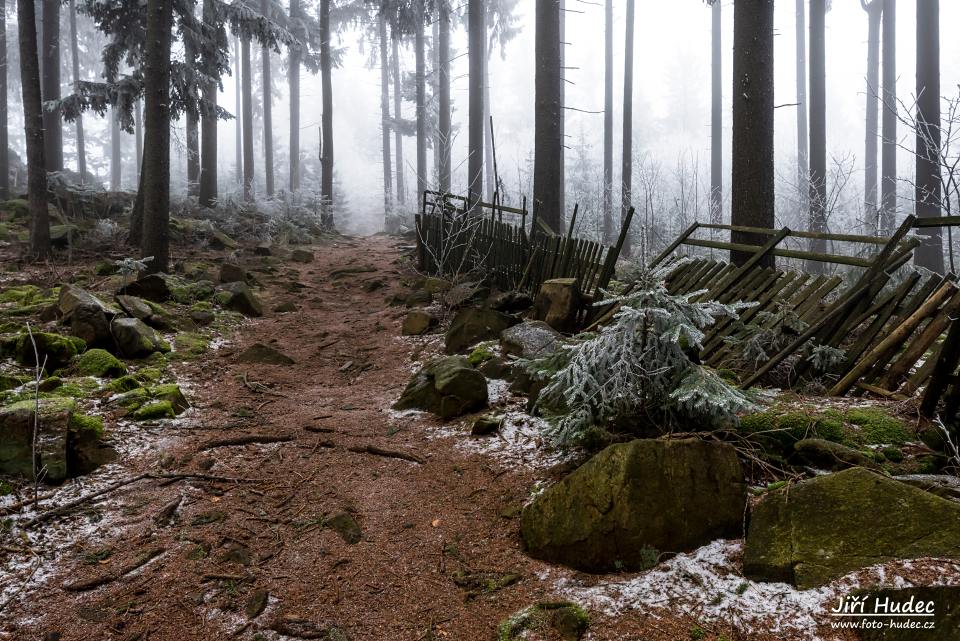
(260, 388)
(317, 429)
(168, 511)
(246, 439)
(379, 451)
(95, 582)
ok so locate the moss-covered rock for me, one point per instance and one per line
(55, 350)
(149, 374)
(447, 387)
(190, 345)
(633, 500)
(418, 322)
(783, 428)
(878, 427)
(818, 530)
(172, 394)
(481, 354)
(472, 325)
(530, 339)
(567, 620)
(154, 410)
(12, 381)
(16, 437)
(239, 298)
(136, 340)
(827, 455)
(101, 363)
(123, 384)
(132, 399)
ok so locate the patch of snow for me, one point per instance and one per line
(519, 441)
(498, 391)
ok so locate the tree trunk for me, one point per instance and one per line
(397, 114)
(208, 124)
(193, 130)
(326, 148)
(294, 77)
(608, 121)
(870, 205)
(75, 54)
(52, 132)
(4, 131)
(818, 130)
(888, 149)
(548, 117)
(927, 190)
(803, 108)
(477, 52)
(434, 113)
(421, 80)
(444, 118)
(716, 117)
(138, 135)
(626, 170)
(156, 116)
(246, 88)
(116, 158)
(33, 128)
(385, 109)
(267, 111)
(753, 175)
(238, 110)
(490, 181)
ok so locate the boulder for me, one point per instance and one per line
(263, 249)
(635, 501)
(558, 302)
(88, 316)
(100, 363)
(417, 322)
(827, 455)
(67, 443)
(813, 532)
(264, 355)
(285, 307)
(240, 298)
(511, 302)
(447, 387)
(136, 340)
(530, 339)
(150, 313)
(942, 485)
(418, 297)
(472, 325)
(486, 425)
(232, 273)
(55, 350)
(72, 297)
(301, 256)
(155, 287)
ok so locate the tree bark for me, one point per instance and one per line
(116, 159)
(608, 121)
(238, 110)
(753, 175)
(138, 135)
(326, 148)
(927, 189)
(208, 124)
(156, 116)
(444, 97)
(626, 170)
(888, 149)
(4, 131)
(477, 52)
(33, 128)
(294, 76)
(716, 117)
(870, 205)
(267, 111)
(548, 117)
(818, 130)
(52, 131)
(385, 108)
(246, 97)
(75, 54)
(397, 114)
(421, 82)
(490, 181)
(193, 130)
(803, 108)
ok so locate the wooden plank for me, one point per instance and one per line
(679, 240)
(852, 238)
(945, 366)
(720, 288)
(919, 346)
(838, 259)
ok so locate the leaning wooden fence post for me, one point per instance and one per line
(676, 243)
(942, 371)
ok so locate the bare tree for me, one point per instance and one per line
(927, 188)
(50, 54)
(477, 52)
(607, 122)
(75, 59)
(443, 124)
(888, 170)
(818, 129)
(33, 127)
(548, 117)
(626, 171)
(874, 10)
(803, 155)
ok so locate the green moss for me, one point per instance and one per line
(50, 384)
(190, 345)
(100, 362)
(78, 387)
(481, 354)
(28, 295)
(49, 406)
(16, 207)
(186, 293)
(86, 424)
(877, 426)
(569, 619)
(154, 410)
(787, 427)
(11, 381)
(133, 399)
(201, 306)
(172, 394)
(57, 349)
(222, 298)
(123, 384)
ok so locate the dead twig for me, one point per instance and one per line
(95, 582)
(246, 439)
(379, 451)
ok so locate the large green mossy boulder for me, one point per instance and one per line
(447, 387)
(635, 501)
(57, 350)
(473, 325)
(818, 530)
(100, 363)
(136, 340)
(239, 298)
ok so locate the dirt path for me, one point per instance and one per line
(316, 531)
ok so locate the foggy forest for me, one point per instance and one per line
(497, 320)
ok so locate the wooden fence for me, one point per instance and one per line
(458, 237)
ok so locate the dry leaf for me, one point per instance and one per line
(435, 523)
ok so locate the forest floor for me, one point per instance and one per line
(320, 529)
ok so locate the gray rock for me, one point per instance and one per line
(486, 425)
(88, 316)
(530, 339)
(558, 302)
(815, 531)
(942, 485)
(135, 339)
(472, 325)
(232, 273)
(264, 355)
(634, 501)
(417, 322)
(827, 455)
(153, 287)
(135, 307)
(240, 298)
(447, 387)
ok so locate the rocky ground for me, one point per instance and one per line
(290, 501)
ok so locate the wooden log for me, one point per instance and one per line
(894, 339)
(679, 240)
(945, 366)
(919, 346)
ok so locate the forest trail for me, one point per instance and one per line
(419, 524)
